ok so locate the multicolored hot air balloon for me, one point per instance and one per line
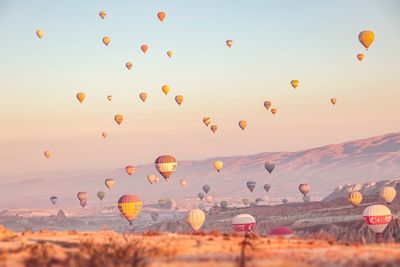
(355, 198)
(242, 124)
(304, 189)
(130, 169)
(166, 165)
(106, 40)
(196, 218)
(47, 154)
(161, 16)
(165, 88)
(214, 128)
(377, 217)
(243, 223)
(388, 194)
(201, 195)
(130, 207)
(182, 182)
(101, 195)
(294, 83)
(207, 121)
(102, 14)
(143, 96)
(179, 99)
(144, 48)
(229, 43)
(206, 188)
(218, 165)
(118, 118)
(269, 166)
(366, 38)
(53, 199)
(151, 178)
(80, 96)
(109, 183)
(267, 187)
(39, 33)
(251, 185)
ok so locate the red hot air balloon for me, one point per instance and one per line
(377, 217)
(166, 165)
(282, 231)
(243, 223)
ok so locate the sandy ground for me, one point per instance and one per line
(108, 248)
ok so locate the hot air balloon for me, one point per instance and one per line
(179, 99)
(201, 195)
(165, 88)
(209, 199)
(196, 218)
(118, 118)
(83, 203)
(360, 56)
(306, 199)
(223, 204)
(101, 195)
(53, 199)
(109, 98)
(246, 201)
(162, 202)
(218, 165)
(377, 217)
(355, 198)
(333, 101)
(251, 185)
(242, 124)
(130, 169)
(267, 104)
(109, 182)
(106, 40)
(274, 111)
(129, 65)
(166, 165)
(294, 83)
(143, 96)
(102, 14)
(206, 188)
(269, 166)
(82, 196)
(207, 121)
(170, 53)
(182, 182)
(214, 128)
(40, 33)
(144, 48)
(81, 97)
(161, 16)
(282, 231)
(366, 38)
(388, 193)
(104, 134)
(243, 223)
(304, 189)
(267, 187)
(154, 216)
(284, 201)
(47, 154)
(151, 178)
(229, 43)
(130, 207)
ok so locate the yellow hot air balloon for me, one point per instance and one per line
(242, 124)
(366, 38)
(39, 33)
(179, 99)
(218, 165)
(360, 56)
(229, 43)
(388, 194)
(170, 53)
(130, 207)
(47, 154)
(104, 134)
(294, 83)
(109, 97)
(129, 65)
(106, 40)
(274, 111)
(267, 104)
(143, 96)
(165, 88)
(118, 118)
(196, 218)
(355, 198)
(102, 14)
(214, 128)
(207, 121)
(80, 96)
(333, 101)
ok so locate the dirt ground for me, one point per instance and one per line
(106, 248)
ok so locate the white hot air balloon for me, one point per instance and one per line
(243, 223)
(377, 217)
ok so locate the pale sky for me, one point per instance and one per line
(275, 42)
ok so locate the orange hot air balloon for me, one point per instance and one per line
(294, 83)
(130, 169)
(106, 40)
(170, 53)
(242, 124)
(129, 65)
(130, 207)
(161, 16)
(355, 198)
(39, 33)
(47, 154)
(109, 97)
(109, 183)
(360, 56)
(366, 38)
(80, 96)
(102, 14)
(165, 88)
(207, 121)
(267, 104)
(166, 165)
(143, 96)
(214, 128)
(82, 196)
(229, 43)
(333, 101)
(273, 111)
(104, 134)
(144, 48)
(179, 99)
(118, 118)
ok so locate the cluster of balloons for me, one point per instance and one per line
(387, 193)
(366, 38)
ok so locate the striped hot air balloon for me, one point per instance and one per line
(388, 194)
(166, 165)
(130, 207)
(243, 223)
(196, 218)
(377, 217)
(355, 199)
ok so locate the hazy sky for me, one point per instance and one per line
(275, 42)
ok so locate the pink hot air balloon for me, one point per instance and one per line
(243, 223)
(282, 231)
(183, 182)
(377, 217)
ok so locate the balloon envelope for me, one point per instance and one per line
(143, 96)
(223, 204)
(360, 56)
(243, 223)
(218, 165)
(196, 218)
(118, 119)
(333, 101)
(81, 97)
(130, 169)
(377, 217)
(129, 65)
(207, 121)
(214, 128)
(269, 166)
(166, 165)
(201, 195)
(179, 99)
(294, 83)
(106, 40)
(388, 194)
(183, 182)
(267, 187)
(83, 203)
(170, 53)
(109, 183)
(355, 198)
(151, 178)
(366, 38)
(229, 43)
(246, 201)
(102, 14)
(304, 188)
(82, 196)
(39, 33)
(242, 124)
(47, 154)
(144, 48)
(101, 195)
(130, 206)
(267, 104)
(206, 188)
(53, 199)
(165, 88)
(161, 15)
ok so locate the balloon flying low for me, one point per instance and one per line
(53, 199)
(251, 185)
(201, 195)
(151, 178)
(130, 207)
(377, 217)
(196, 218)
(101, 195)
(388, 194)
(209, 199)
(267, 187)
(304, 189)
(269, 166)
(83, 203)
(243, 223)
